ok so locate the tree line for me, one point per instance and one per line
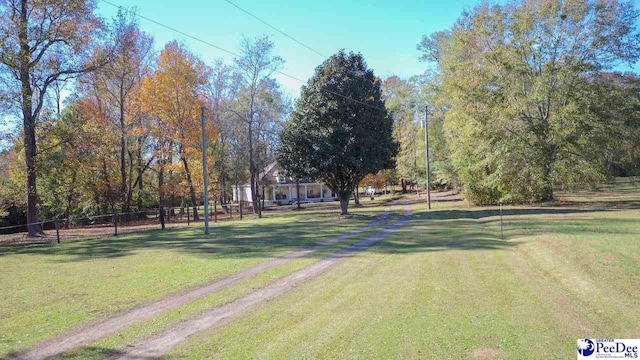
(111, 125)
(522, 98)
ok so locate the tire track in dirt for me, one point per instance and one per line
(158, 345)
(96, 330)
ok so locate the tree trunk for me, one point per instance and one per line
(140, 173)
(123, 169)
(252, 169)
(223, 193)
(356, 197)
(34, 229)
(161, 195)
(192, 190)
(404, 186)
(344, 205)
(547, 194)
(298, 193)
(29, 122)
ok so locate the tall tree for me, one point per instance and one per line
(257, 64)
(517, 77)
(340, 130)
(117, 85)
(41, 43)
(174, 94)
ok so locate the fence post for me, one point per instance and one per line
(188, 216)
(57, 230)
(240, 205)
(215, 211)
(501, 228)
(115, 223)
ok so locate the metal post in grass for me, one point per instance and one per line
(215, 211)
(188, 217)
(501, 228)
(240, 205)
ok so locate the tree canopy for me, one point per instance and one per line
(519, 81)
(340, 129)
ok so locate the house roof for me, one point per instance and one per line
(272, 171)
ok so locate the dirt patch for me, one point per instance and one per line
(485, 353)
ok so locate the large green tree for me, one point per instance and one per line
(518, 81)
(340, 130)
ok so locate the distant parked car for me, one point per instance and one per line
(370, 190)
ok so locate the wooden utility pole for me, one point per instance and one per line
(204, 173)
(426, 146)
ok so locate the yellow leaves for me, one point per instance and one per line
(173, 95)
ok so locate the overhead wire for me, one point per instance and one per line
(275, 28)
(138, 14)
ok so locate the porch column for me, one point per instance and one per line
(289, 187)
(273, 193)
(305, 192)
(321, 191)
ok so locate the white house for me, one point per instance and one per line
(279, 189)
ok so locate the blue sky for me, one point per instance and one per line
(385, 32)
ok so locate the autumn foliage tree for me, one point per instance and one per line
(174, 95)
(42, 43)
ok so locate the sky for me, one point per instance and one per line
(386, 32)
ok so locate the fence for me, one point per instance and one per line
(80, 227)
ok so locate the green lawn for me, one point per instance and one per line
(46, 290)
(445, 286)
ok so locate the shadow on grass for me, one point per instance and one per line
(87, 352)
(479, 229)
(229, 240)
(428, 231)
(441, 231)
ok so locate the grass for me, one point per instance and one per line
(48, 289)
(445, 286)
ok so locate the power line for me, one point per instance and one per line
(275, 28)
(173, 29)
(234, 54)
